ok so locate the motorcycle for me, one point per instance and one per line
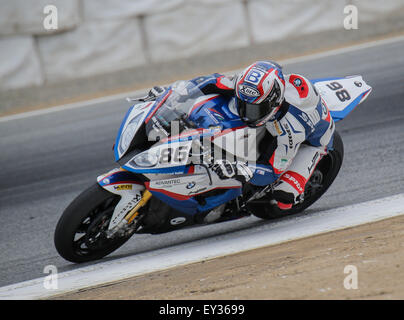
(166, 148)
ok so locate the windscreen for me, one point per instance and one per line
(172, 109)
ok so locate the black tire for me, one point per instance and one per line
(328, 166)
(89, 213)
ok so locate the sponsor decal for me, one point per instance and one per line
(123, 187)
(129, 206)
(297, 82)
(278, 130)
(313, 162)
(249, 91)
(289, 135)
(218, 116)
(358, 83)
(211, 116)
(254, 76)
(168, 182)
(197, 191)
(157, 126)
(293, 181)
(191, 185)
(306, 119)
(177, 221)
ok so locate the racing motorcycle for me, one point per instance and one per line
(166, 148)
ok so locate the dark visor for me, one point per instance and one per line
(251, 113)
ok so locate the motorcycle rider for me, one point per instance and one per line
(292, 112)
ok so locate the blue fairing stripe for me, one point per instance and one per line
(186, 206)
(326, 79)
(339, 115)
(179, 169)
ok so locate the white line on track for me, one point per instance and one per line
(139, 93)
(274, 233)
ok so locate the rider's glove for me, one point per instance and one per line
(154, 93)
(237, 170)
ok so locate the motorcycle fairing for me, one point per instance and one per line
(124, 184)
(137, 112)
(180, 191)
(212, 110)
(342, 94)
(191, 205)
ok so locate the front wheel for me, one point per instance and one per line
(319, 182)
(80, 234)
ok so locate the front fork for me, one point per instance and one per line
(133, 195)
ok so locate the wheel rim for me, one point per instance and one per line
(314, 184)
(90, 236)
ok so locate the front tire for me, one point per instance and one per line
(80, 233)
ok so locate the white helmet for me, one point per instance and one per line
(260, 92)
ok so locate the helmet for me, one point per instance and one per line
(259, 92)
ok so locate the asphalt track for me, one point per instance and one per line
(48, 159)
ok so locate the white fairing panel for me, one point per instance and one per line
(186, 186)
(133, 120)
(342, 95)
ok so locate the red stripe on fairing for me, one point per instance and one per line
(201, 103)
(173, 195)
(113, 173)
(123, 182)
(365, 94)
(158, 106)
(182, 197)
(168, 193)
(297, 181)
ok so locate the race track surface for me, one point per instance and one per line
(47, 160)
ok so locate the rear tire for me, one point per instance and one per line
(80, 233)
(321, 179)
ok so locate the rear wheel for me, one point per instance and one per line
(319, 182)
(80, 234)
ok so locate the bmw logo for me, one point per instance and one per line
(297, 82)
(191, 185)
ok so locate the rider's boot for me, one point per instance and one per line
(290, 189)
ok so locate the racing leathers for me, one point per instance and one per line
(300, 135)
